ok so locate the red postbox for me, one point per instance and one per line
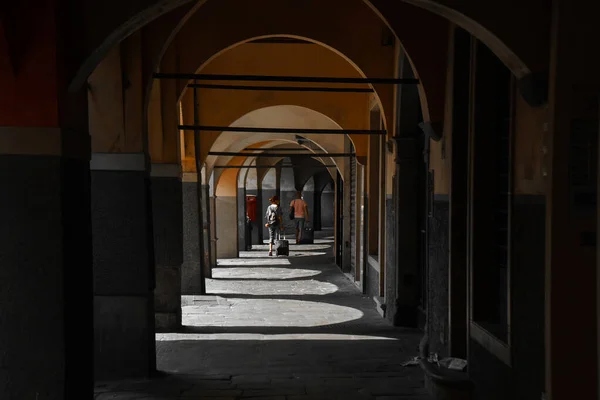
(251, 207)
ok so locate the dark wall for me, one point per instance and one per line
(527, 313)
(491, 376)
(327, 209)
(524, 379)
(438, 276)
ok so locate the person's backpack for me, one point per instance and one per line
(272, 215)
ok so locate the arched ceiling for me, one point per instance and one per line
(321, 22)
(517, 31)
(282, 116)
(223, 107)
(277, 116)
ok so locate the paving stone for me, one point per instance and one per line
(281, 329)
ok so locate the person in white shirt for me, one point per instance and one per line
(300, 209)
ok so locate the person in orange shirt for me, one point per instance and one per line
(300, 214)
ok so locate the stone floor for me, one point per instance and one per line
(280, 328)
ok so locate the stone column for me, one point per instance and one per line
(191, 273)
(402, 303)
(207, 236)
(241, 217)
(123, 266)
(167, 210)
(346, 212)
(213, 230)
(46, 268)
(226, 219)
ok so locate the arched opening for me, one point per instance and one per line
(268, 176)
(508, 107)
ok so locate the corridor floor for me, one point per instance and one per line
(280, 328)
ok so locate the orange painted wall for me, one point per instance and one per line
(529, 142)
(29, 96)
(220, 107)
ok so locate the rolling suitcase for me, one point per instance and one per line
(282, 247)
(308, 236)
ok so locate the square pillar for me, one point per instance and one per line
(123, 266)
(226, 218)
(403, 283)
(167, 211)
(46, 267)
(243, 233)
(191, 272)
(207, 226)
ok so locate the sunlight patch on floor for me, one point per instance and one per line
(266, 287)
(166, 337)
(243, 272)
(253, 261)
(267, 313)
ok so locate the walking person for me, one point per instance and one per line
(300, 209)
(274, 218)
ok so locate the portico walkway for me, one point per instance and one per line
(280, 329)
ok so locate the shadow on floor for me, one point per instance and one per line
(280, 329)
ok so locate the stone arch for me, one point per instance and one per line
(479, 18)
(520, 45)
(175, 14)
(371, 65)
(276, 116)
